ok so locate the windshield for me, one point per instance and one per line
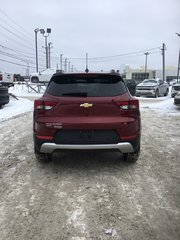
(86, 86)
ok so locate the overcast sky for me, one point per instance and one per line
(102, 28)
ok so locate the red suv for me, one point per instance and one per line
(87, 111)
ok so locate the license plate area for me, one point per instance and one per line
(86, 137)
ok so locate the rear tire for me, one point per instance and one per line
(34, 80)
(167, 91)
(131, 157)
(156, 94)
(42, 157)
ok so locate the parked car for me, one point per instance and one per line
(131, 84)
(4, 96)
(87, 111)
(177, 99)
(18, 78)
(6, 79)
(173, 81)
(175, 89)
(43, 76)
(152, 88)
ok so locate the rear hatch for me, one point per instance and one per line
(89, 102)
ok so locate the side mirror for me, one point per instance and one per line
(39, 73)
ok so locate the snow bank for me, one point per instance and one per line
(15, 107)
(164, 105)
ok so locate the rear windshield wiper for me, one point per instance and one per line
(75, 94)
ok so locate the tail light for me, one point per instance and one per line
(1, 78)
(128, 105)
(44, 105)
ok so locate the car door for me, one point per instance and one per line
(161, 87)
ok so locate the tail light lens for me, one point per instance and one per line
(128, 105)
(44, 105)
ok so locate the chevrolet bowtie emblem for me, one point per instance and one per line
(86, 105)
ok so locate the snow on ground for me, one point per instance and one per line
(21, 90)
(163, 105)
(16, 107)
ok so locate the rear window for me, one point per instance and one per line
(86, 86)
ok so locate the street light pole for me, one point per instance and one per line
(163, 56)
(36, 47)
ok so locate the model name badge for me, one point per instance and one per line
(54, 125)
(86, 105)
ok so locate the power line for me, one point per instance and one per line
(12, 20)
(17, 42)
(118, 55)
(20, 32)
(23, 31)
(3, 60)
(18, 51)
(22, 39)
(18, 58)
(91, 60)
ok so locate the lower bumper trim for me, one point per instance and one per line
(124, 147)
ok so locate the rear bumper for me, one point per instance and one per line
(124, 147)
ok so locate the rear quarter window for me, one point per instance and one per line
(86, 86)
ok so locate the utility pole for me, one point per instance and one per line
(178, 68)
(146, 53)
(46, 45)
(49, 53)
(163, 58)
(61, 60)
(69, 66)
(65, 64)
(27, 69)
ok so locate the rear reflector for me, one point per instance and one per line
(44, 105)
(45, 137)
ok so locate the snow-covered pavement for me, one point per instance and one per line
(90, 195)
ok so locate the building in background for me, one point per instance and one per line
(139, 74)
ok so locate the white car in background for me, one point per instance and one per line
(6, 79)
(43, 76)
(175, 89)
(152, 88)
